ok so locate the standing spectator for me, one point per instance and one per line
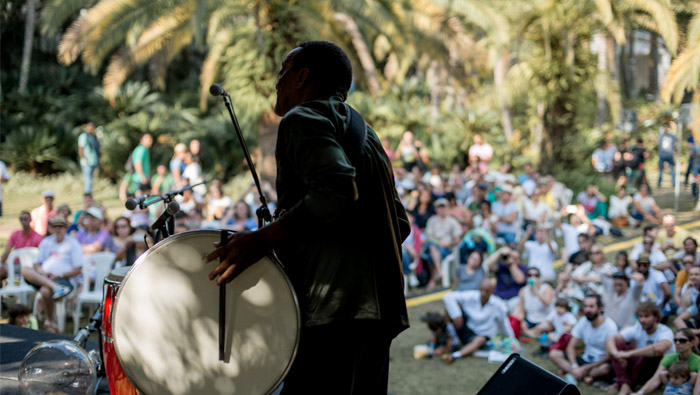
(89, 152)
(177, 165)
(645, 207)
(528, 173)
(93, 238)
(162, 182)
(407, 151)
(41, 214)
(4, 177)
(637, 172)
(621, 297)
(480, 154)
(193, 175)
(671, 237)
(593, 329)
(25, 237)
(618, 212)
(196, 150)
(507, 212)
(541, 253)
(510, 274)
(56, 267)
(667, 149)
(141, 161)
(619, 170)
(477, 316)
(442, 234)
(636, 351)
(693, 165)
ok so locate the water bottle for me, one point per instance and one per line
(543, 340)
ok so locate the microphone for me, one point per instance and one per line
(217, 90)
(131, 204)
(171, 210)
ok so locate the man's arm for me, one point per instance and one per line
(493, 259)
(571, 350)
(5, 253)
(653, 350)
(667, 292)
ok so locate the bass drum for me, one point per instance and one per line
(166, 322)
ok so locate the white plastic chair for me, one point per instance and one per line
(451, 260)
(16, 285)
(96, 266)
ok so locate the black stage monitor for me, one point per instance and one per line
(517, 375)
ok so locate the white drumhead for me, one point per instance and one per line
(166, 322)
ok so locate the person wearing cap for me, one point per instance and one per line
(41, 214)
(656, 257)
(57, 266)
(443, 232)
(656, 286)
(93, 237)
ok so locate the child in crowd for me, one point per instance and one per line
(443, 339)
(678, 380)
(557, 327)
(20, 315)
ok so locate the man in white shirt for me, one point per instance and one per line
(56, 267)
(593, 329)
(656, 257)
(485, 317)
(541, 253)
(507, 212)
(651, 339)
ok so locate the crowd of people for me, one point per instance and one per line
(498, 229)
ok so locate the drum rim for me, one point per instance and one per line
(272, 256)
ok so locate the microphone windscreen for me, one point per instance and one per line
(173, 208)
(216, 89)
(130, 204)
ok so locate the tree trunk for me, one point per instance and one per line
(433, 77)
(363, 53)
(631, 66)
(267, 140)
(499, 78)
(27, 49)
(654, 64)
(602, 72)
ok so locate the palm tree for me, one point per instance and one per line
(27, 48)
(684, 74)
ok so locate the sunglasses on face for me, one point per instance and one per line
(681, 340)
(533, 275)
(596, 252)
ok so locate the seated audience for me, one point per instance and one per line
(40, 215)
(535, 301)
(656, 288)
(671, 238)
(477, 316)
(541, 253)
(25, 237)
(510, 274)
(217, 201)
(468, 276)
(507, 212)
(644, 207)
(587, 277)
(636, 351)
(239, 217)
(443, 338)
(593, 330)
(56, 268)
(557, 326)
(593, 202)
(621, 296)
(93, 238)
(688, 297)
(685, 343)
(679, 381)
(618, 213)
(442, 233)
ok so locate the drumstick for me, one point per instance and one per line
(222, 307)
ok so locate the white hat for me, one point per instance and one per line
(95, 212)
(47, 193)
(506, 188)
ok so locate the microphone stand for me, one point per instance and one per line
(168, 227)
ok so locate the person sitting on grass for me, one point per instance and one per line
(477, 316)
(20, 315)
(443, 338)
(636, 351)
(557, 325)
(535, 302)
(678, 380)
(687, 304)
(593, 330)
(685, 342)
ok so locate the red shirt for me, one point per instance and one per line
(20, 240)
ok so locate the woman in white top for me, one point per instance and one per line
(645, 207)
(534, 209)
(618, 213)
(217, 202)
(535, 300)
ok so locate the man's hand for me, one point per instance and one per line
(242, 251)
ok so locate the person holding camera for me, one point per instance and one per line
(510, 275)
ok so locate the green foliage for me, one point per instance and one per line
(34, 150)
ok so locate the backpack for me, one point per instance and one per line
(129, 165)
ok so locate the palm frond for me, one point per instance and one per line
(684, 74)
(663, 17)
(56, 12)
